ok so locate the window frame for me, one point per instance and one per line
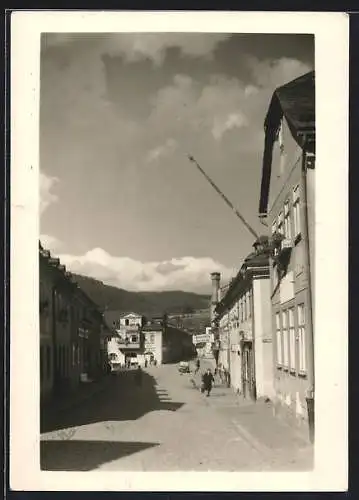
(292, 341)
(285, 339)
(302, 340)
(280, 224)
(296, 203)
(287, 220)
(279, 345)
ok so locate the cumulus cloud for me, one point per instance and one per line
(161, 151)
(47, 196)
(273, 73)
(136, 46)
(184, 273)
(188, 108)
(233, 120)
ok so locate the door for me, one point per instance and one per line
(248, 372)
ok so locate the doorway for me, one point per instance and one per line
(248, 372)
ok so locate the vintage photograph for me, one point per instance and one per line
(176, 252)
(178, 210)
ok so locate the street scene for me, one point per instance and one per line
(176, 252)
(165, 423)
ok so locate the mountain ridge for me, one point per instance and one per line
(108, 297)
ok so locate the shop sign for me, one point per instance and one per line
(202, 338)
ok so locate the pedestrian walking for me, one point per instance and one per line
(138, 376)
(207, 382)
(198, 366)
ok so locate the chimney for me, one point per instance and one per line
(215, 277)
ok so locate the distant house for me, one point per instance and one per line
(126, 344)
(287, 205)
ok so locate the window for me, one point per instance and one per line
(134, 338)
(302, 339)
(245, 307)
(280, 223)
(278, 339)
(296, 211)
(287, 221)
(285, 338)
(274, 227)
(127, 322)
(275, 277)
(291, 339)
(249, 304)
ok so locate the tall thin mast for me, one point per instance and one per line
(223, 196)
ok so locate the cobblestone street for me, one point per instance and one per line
(166, 424)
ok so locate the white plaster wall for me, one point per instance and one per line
(262, 337)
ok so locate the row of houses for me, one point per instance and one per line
(77, 340)
(138, 340)
(263, 319)
(73, 333)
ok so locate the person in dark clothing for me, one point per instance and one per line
(138, 376)
(207, 382)
(198, 365)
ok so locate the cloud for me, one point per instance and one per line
(273, 73)
(47, 196)
(161, 151)
(138, 46)
(234, 120)
(184, 273)
(194, 111)
(50, 242)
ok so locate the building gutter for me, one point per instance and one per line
(310, 392)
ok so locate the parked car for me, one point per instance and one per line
(183, 367)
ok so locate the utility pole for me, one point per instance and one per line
(224, 197)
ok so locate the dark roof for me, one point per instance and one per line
(154, 327)
(295, 101)
(240, 282)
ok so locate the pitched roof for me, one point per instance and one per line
(238, 284)
(294, 101)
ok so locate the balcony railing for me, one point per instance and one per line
(130, 343)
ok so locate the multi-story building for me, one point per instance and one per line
(244, 316)
(127, 342)
(136, 339)
(72, 333)
(287, 205)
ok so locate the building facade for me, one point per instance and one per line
(137, 340)
(244, 316)
(126, 346)
(287, 204)
(72, 332)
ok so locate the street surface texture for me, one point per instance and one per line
(166, 424)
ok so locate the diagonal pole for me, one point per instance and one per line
(223, 196)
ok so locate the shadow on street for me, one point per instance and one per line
(85, 455)
(122, 399)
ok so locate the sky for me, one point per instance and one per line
(119, 113)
